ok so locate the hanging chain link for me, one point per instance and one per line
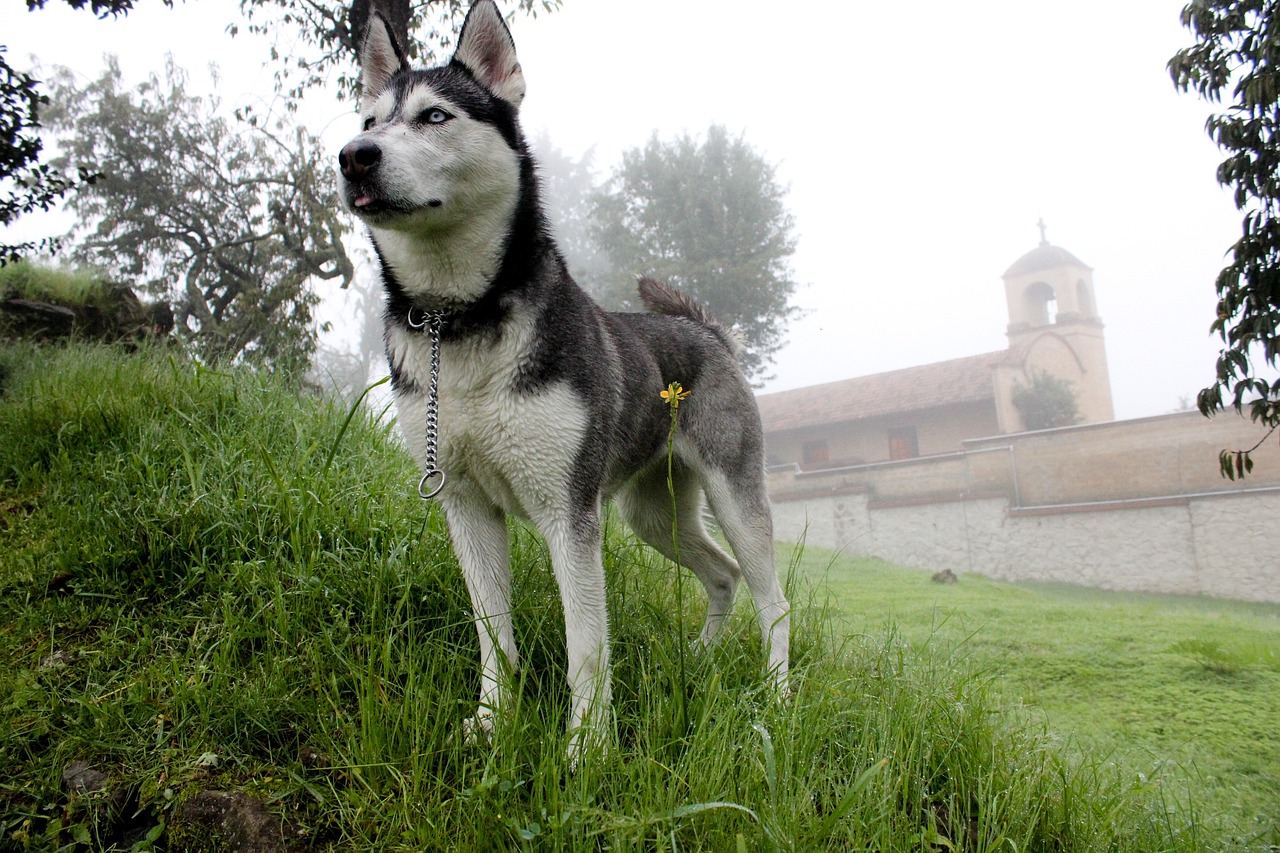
(433, 478)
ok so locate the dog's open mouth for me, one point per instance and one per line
(365, 202)
(368, 204)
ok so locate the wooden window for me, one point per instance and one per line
(903, 443)
(815, 453)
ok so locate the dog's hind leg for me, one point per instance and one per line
(742, 509)
(646, 505)
(574, 540)
(479, 534)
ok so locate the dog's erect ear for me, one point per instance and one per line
(487, 49)
(380, 58)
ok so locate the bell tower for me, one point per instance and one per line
(1054, 328)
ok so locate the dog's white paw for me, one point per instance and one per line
(477, 729)
(586, 741)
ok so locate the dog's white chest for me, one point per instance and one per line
(518, 446)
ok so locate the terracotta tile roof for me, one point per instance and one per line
(960, 380)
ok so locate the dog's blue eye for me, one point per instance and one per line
(435, 115)
(368, 123)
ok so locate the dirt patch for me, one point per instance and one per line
(238, 821)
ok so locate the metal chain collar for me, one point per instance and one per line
(432, 322)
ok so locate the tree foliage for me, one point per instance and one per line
(319, 37)
(100, 8)
(709, 218)
(229, 221)
(1237, 54)
(25, 183)
(1046, 402)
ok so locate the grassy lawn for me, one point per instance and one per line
(1183, 690)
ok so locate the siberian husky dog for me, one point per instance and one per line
(546, 405)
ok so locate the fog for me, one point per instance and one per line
(920, 149)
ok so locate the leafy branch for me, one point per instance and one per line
(1237, 51)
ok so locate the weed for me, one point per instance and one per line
(1209, 654)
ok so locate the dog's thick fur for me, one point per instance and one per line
(548, 405)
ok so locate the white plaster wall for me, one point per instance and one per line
(1141, 550)
(809, 520)
(964, 536)
(1235, 545)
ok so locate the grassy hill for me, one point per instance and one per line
(226, 620)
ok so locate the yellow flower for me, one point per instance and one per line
(673, 394)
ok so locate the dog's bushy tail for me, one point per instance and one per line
(661, 298)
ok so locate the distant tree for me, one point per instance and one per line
(1237, 50)
(345, 367)
(1046, 402)
(230, 221)
(569, 187)
(709, 218)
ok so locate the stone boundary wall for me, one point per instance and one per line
(1141, 530)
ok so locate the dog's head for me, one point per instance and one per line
(439, 146)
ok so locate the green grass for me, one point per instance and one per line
(1181, 689)
(24, 280)
(210, 582)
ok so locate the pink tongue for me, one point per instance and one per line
(363, 200)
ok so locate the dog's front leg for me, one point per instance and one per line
(479, 533)
(574, 543)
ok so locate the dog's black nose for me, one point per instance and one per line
(357, 159)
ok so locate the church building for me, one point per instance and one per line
(1054, 330)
